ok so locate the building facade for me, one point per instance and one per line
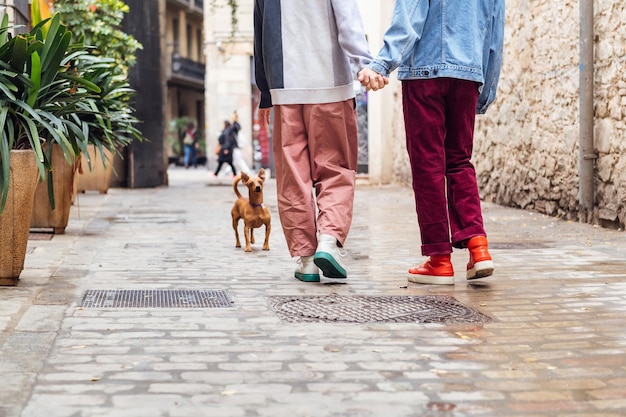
(169, 80)
(18, 11)
(528, 145)
(184, 71)
(229, 79)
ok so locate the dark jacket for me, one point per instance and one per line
(228, 142)
(234, 131)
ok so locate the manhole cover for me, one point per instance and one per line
(366, 309)
(155, 299)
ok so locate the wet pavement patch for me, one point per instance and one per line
(381, 309)
(156, 299)
(520, 245)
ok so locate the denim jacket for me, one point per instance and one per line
(446, 38)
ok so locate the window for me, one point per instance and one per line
(199, 44)
(175, 34)
(189, 41)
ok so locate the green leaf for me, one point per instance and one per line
(85, 83)
(4, 33)
(20, 49)
(35, 77)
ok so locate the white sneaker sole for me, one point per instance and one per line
(307, 277)
(430, 279)
(481, 270)
(330, 267)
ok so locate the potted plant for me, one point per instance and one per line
(99, 25)
(35, 91)
(111, 123)
(105, 116)
(63, 92)
(107, 124)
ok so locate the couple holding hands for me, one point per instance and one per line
(448, 54)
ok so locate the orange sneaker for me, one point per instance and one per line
(480, 264)
(436, 270)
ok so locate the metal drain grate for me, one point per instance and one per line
(40, 236)
(384, 309)
(162, 245)
(149, 216)
(155, 299)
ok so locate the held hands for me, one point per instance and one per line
(372, 80)
(368, 78)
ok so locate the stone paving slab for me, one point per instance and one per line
(555, 346)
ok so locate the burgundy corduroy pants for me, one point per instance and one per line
(439, 116)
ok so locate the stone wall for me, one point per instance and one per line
(526, 146)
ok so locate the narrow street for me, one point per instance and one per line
(543, 337)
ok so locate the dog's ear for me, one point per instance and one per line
(244, 177)
(261, 174)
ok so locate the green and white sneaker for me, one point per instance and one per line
(307, 271)
(327, 257)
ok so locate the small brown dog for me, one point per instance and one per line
(251, 210)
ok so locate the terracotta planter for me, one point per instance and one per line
(63, 182)
(16, 217)
(99, 178)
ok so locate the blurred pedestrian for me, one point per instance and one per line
(226, 145)
(238, 160)
(190, 143)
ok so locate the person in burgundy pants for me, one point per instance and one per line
(448, 54)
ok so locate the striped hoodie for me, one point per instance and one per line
(304, 50)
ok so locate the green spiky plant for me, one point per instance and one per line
(98, 24)
(40, 89)
(108, 115)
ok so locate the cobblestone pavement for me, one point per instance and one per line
(555, 344)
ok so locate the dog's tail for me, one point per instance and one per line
(235, 182)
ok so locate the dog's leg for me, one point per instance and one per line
(246, 234)
(235, 227)
(266, 244)
(252, 235)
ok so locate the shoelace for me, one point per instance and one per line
(300, 263)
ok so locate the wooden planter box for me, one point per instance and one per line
(99, 178)
(63, 182)
(16, 217)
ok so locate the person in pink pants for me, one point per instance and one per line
(306, 55)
